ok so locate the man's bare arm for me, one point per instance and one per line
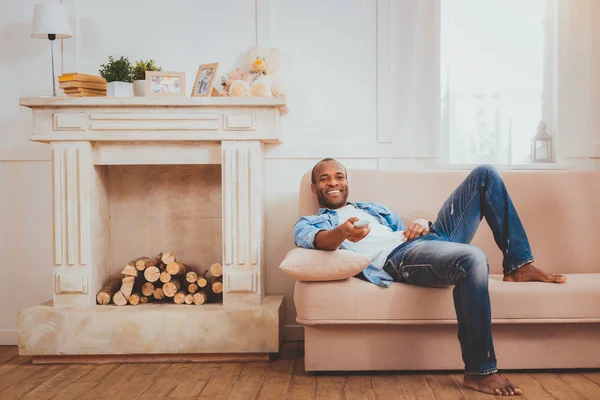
(333, 238)
(329, 240)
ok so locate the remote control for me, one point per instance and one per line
(361, 223)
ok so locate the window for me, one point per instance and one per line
(492, 57)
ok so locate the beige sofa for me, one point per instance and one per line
(352, 324)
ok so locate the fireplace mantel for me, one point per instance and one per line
(87, 134)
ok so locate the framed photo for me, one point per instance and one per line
(160, 83)
(203, 85)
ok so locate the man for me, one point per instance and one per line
(432, 254)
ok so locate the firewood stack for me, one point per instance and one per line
(163, 279)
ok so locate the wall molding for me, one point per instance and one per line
(383, 60)
(263, 23)
(8, 337)
(293, 333)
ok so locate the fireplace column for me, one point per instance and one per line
(80, 225)
(243, 222)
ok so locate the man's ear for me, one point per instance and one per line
(313, 188)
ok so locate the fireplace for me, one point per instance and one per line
(137, 176)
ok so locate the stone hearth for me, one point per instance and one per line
(90, 139)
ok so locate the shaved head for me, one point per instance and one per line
(315, 169)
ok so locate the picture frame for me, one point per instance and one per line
(205, 78)
(165, 83)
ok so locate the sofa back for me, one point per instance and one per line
(560, 210)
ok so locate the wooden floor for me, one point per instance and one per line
(283, 378)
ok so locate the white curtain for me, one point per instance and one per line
(472, 79)
(415, 79)
(572, 82)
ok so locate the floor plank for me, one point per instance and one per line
(16, 370)
(195, 381)
(53, 386)
(76, 389)
(557, 387)
(110, 384)
(359, 387)
(303, 385)
(593, 376)
(388, 387)
(532, 389)
(222, 381)
(163, 382)
(416, 387)
(7, 353)
(250, 380)
(581, 384)
(331, 387)
(277, 379)
(38, 378)
(444, 387)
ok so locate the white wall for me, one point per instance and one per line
(329, 61)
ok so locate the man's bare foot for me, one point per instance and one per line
(529, 273)
(492, 384)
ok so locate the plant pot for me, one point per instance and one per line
(119, 89)
(139, 88)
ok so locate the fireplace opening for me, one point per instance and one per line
(164, 235)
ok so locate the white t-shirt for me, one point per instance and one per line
(379, 243)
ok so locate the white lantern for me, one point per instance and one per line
(541, 145)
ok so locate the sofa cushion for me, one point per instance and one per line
(319, 265)
(358, 300)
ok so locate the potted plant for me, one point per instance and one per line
(139, 75)
(118, 75)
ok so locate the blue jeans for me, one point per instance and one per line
(445, 258)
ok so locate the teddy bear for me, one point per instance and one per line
(261, 79)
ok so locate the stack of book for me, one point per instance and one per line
(75, 84)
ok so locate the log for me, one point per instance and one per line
(119, 299)
(216, 269)
(201, 282)
(127, 286)
(147, 289)
(170, 289)
(158, 294)
(192, 288)
(189, 298)
(191, 277)
(177, 268)
(134, 299)
(129, 270)
(106, 293)
(216, 285)
(165, 277)
(179, 297)
(154, 261)
(144, 299)
(140, 263)
(199, 298)
(152, 274)
(168, 258)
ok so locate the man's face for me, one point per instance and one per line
(331, 186)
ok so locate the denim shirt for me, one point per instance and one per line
(306, 228)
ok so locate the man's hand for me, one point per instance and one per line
(417, 228)
(353, 233)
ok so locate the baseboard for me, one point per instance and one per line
(8, 337)
(31, 152)
(293, 333)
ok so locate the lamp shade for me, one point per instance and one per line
(50, 19)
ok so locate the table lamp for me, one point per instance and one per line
(51, 21)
